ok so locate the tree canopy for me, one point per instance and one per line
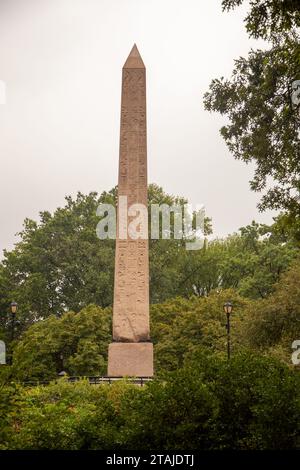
(266, 17)
(264, 119)
(60, 265)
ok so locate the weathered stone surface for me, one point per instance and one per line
(130, 359)
(132, 354)
(131, 285)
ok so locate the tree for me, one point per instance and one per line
(10, 406)
(258, 401)
(66, 416)
(251, 262)
(74, 343)
(77, 343)
(264, 122)
(268, 16)
(60, 264)
(274, 324)
(180, 326)
(175, 414)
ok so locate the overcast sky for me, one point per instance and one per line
(59, 131)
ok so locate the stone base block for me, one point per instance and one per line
(130, 359)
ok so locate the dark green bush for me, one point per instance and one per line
(250, 402)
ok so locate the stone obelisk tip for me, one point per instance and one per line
(134, 60)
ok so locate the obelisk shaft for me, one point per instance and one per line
(131, 291)
(131, 353)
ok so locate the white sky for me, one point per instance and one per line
(59, 131)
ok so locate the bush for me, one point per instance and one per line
(250, 402)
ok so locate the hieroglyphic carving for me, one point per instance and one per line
(131, 286)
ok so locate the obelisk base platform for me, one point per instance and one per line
(130, 359)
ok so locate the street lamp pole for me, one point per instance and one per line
(14, 308)
(228, 309)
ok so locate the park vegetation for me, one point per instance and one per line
(199, 399)
(61, 276)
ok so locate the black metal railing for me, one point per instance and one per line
(93, 380)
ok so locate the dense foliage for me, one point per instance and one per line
(60, 265)
(250, 403)
(199, 400)
(77, 343)
(266, 17)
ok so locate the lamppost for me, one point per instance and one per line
(228, 309)
(13, 311)
(13, 308)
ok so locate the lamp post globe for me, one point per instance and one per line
(228, 307)
(14, 307)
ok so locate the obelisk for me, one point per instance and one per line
(131, 353)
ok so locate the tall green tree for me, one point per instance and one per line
(264, 119)
(274, 323)
(75, 343)
(60, 264)
(251, 261)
